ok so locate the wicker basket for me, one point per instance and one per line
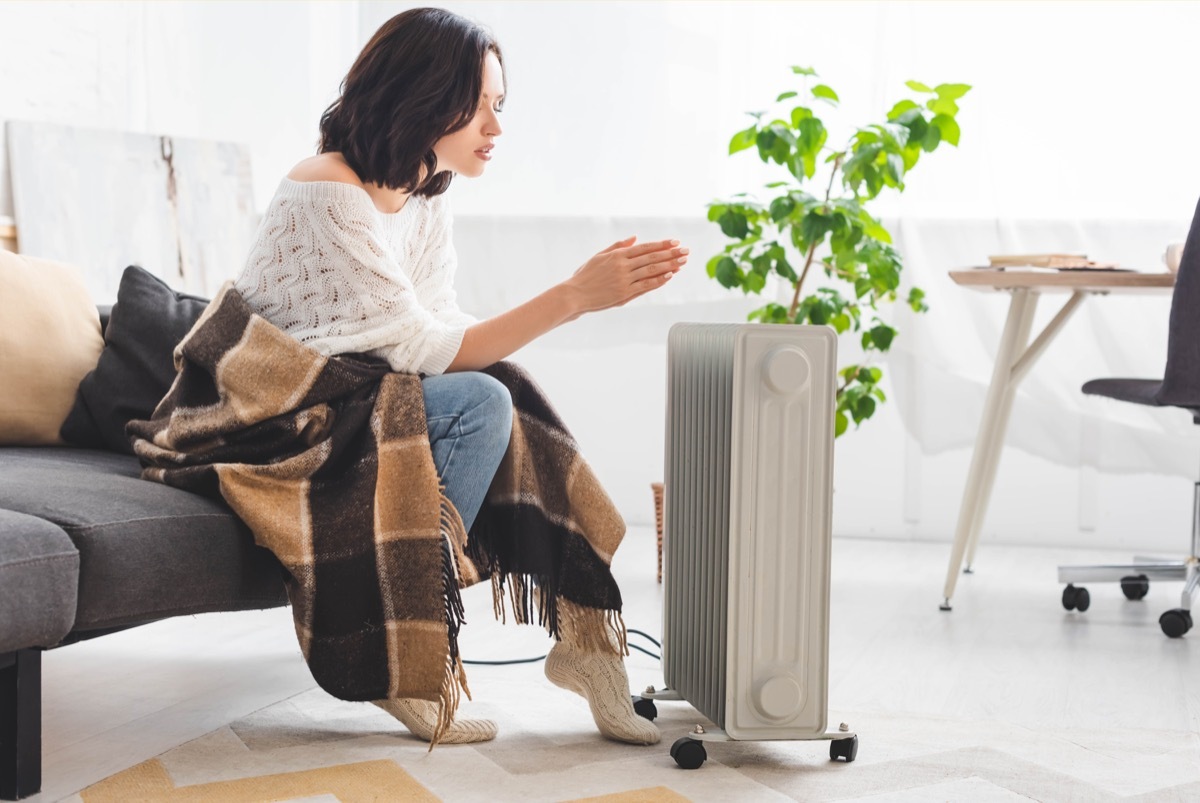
(657, 488)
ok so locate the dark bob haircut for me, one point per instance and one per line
(417, 80)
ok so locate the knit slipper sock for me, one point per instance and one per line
(600, 678)
(420, 717)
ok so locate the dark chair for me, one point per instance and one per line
(1179, 387)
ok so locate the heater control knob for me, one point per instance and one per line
(786, 370)
(778, 697)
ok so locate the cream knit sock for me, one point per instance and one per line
(600, 678)
(420, 717)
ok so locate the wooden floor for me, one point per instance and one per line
(1007, 653)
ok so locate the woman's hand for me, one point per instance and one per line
(623, 271)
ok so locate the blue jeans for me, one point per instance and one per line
(470, 415)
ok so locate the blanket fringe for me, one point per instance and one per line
(498, 598)
(592, 629)
(454, 681)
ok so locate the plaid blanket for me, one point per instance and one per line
(327, 460)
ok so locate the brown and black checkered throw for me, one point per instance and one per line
(327, 460)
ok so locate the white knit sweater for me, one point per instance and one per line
(340, 276)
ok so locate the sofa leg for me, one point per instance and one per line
(20, 724)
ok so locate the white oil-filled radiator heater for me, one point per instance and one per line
(747, 498)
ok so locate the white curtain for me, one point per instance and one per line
(942, 363)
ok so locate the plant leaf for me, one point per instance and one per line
(900, 108)
(728, 273)
(864, 408)
(810, 165)
(743, 140)
(952, 91)
(785, 270)
(942, 106)
(786, 95)
(916, 300)
(754, 282)
(933, 136)
(917, 86)
(804, 71)
(711, 267)
(781, 207)
(893, 169)
(825, 92)
(882, 336)
(948, 127)
(811, 135)
(734, 224)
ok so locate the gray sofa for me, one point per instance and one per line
(87, 548)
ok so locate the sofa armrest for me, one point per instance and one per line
(39, 582)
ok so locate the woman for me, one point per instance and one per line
(355, 255)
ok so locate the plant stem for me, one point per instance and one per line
(812, 249)
(796, 296)
(849, 379)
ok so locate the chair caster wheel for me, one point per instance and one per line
(1175, 622)
(845, 749)
(644, 708)
(1135, 587)
(688, 753)
(1076, 599)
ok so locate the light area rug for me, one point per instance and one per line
(312, 747)
(1009, 699)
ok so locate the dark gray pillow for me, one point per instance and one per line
(136, 367)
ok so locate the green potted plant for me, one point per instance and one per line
(830, 226)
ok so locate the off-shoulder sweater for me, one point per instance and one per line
(333, 271)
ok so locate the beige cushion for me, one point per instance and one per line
(49, 338)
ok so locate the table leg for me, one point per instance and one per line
(1020, 367)
(988, 441)
(998, 430)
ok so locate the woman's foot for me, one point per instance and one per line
(420, 717)
(600, 678)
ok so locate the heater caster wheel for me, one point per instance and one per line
(644, 708)
(1175, 622)
(1076, 599)
(688, 753)
(1135, 587)
(845, 749)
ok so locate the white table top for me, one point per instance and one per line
(1098, 281)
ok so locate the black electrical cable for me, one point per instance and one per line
(652, 655)
(502, 663)
(647, 635)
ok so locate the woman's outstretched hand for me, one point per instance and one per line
(624, 271)
(619, 273)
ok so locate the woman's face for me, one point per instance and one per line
(467, 150)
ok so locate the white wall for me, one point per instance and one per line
(259, 73)
(617, 122)
(1079, 108)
